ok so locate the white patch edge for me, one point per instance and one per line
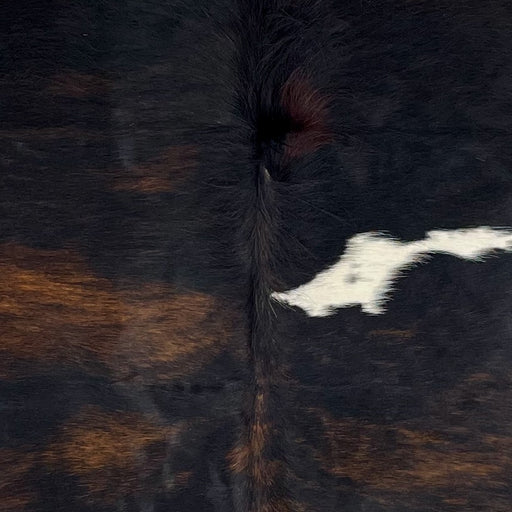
(365, 272)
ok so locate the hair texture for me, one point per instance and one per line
(166, 168)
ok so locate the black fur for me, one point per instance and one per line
(165, 166)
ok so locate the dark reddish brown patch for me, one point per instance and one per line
(402, 334)
(56, 311)
(308, 110)
(77, 85)
(162, 174)
(480, 377)
(111, 453)
(182, 479)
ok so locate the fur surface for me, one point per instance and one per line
(364, 274)
(165, 167)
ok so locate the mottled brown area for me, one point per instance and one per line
(394, 457)
(308, 110)
(77, 85)
(249, 458)
(54, 310)
(450, 454)
(113, 454)
(15, 493)
(162, 174)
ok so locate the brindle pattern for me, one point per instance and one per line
(163, 165)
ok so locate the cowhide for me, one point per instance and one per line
(255, 256)
(365, 273)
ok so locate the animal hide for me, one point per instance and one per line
(255, 256)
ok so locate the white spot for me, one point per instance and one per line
(365, 272)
